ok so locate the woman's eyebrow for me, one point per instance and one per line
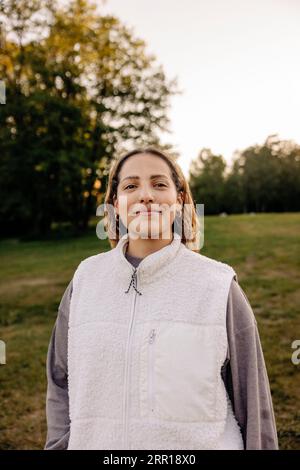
(137, 177)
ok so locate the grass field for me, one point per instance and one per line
(263, 249)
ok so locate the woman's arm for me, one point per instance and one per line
(57, 400)
(246, 375)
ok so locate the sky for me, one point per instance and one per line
(237, 63)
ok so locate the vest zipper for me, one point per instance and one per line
(151, 369)
(127, 370)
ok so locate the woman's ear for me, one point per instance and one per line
(179, 204)
(180, 198)
(116, 204)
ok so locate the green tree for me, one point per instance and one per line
(260, 177)
(80, 89)
(206, 177)
(265, 178)
(271, 176)
(234, 194)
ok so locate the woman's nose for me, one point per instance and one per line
(145, 194)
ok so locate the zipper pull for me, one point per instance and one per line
(152, 336)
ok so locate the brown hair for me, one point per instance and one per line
(189, 227)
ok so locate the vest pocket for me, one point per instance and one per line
(180, 371)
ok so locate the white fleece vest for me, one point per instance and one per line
(145, 351)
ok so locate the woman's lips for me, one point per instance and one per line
(148, 212)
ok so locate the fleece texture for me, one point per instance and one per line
(136, 339)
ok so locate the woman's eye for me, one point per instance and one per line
(157, 184)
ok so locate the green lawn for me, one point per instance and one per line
(263, 249)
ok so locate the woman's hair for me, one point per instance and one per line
(189, 223)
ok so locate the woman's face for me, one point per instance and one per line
(147, 199)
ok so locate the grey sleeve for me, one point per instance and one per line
(245, 375)
(57, 398)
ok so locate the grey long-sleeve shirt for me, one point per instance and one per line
(244, 374)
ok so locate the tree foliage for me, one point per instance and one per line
(262, 178)
(80, 88)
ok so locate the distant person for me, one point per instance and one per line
(155, 345)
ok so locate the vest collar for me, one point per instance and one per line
(152, 266)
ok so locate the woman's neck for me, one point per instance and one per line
(140, 248)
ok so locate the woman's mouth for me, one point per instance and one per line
(148, 212)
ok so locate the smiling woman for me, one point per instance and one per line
(148, 182)
(155, 345)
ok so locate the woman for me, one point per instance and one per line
(155, 345)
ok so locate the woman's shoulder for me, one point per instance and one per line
(205, 262)
(239, 311)
(93, 261)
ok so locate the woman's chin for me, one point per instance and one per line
(153, 231)
(145, 231)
